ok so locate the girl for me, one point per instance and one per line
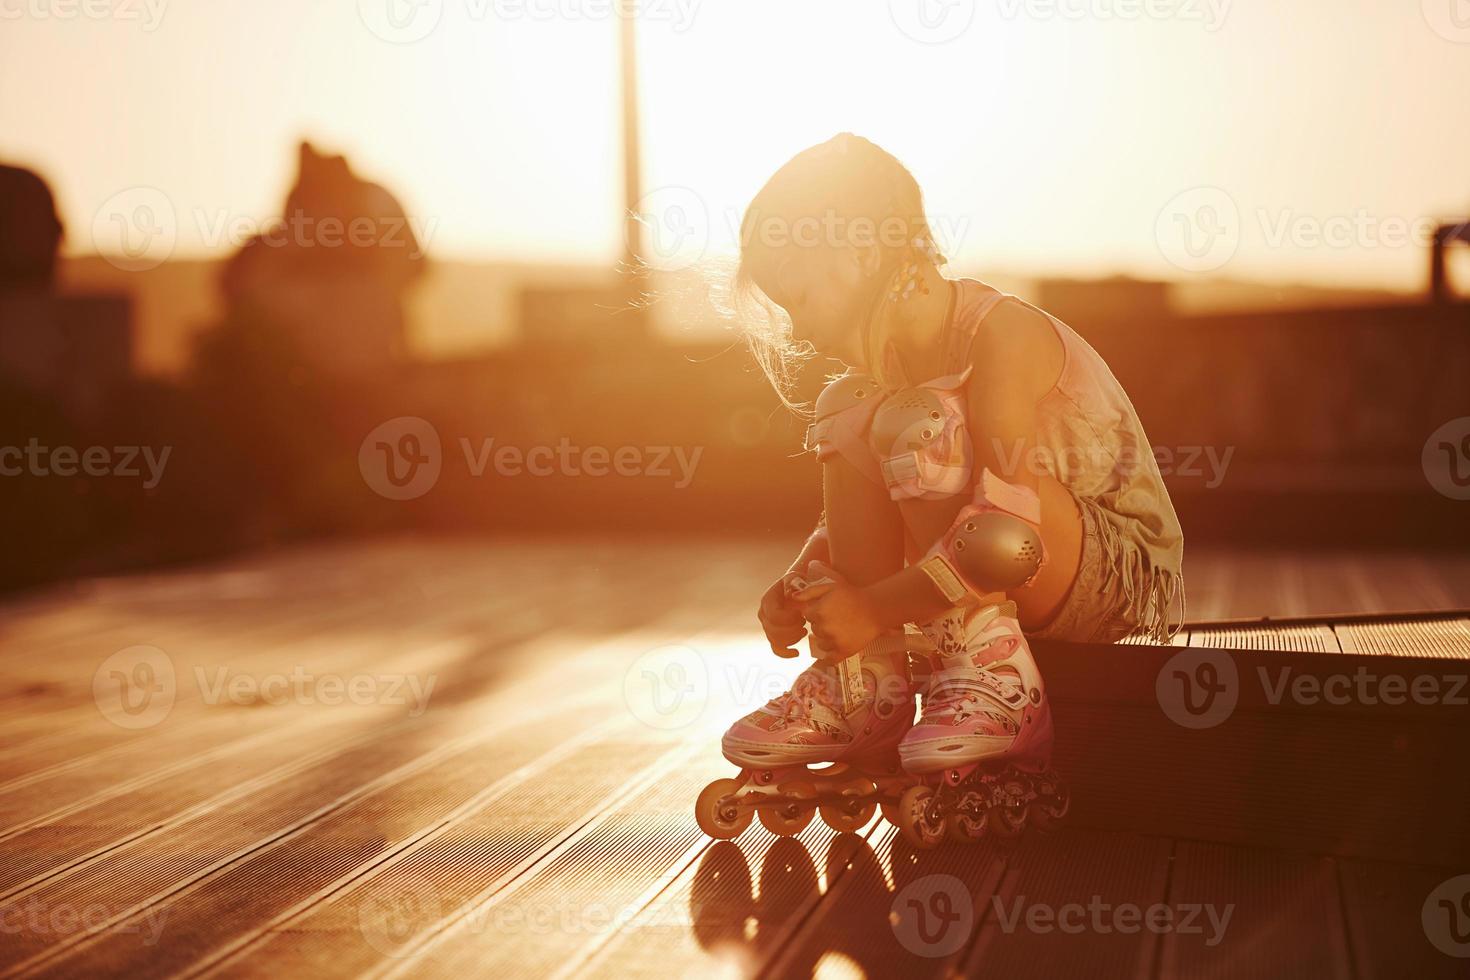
(984, 477)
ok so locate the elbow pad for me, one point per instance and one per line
(921, 440)
(844, 413)
(994, 544)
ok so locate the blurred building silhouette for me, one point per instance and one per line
(1092, 300)
(30, 231)
(65, 379)
(1444, 237)
(1300, 418)
(331, 275)
(74, 351)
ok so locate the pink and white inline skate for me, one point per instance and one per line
(828, 745)
(982, 746)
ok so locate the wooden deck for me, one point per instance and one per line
(412, 758)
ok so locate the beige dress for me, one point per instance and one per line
(1089, 437)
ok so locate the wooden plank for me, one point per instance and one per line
(1223, 583)
(363, 627)
(1209, 584)
(71, 718)
(505, 842)
(1076, 903)
(341, 772)
(148, 801)
(100, 778)
(270, 880)
(1180, 639)
(279, 875)
(1318, 638)
(51, 847)
(661, 587)
(457, 616)
(1447, 637)
(1261, 914)
(1391, 910)
(597, 877)
(640, 888)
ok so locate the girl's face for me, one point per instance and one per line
(824, 291)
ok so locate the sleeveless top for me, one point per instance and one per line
(1088, 436)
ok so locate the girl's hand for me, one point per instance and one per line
(782, 620)
(842, 617)
(780, 617)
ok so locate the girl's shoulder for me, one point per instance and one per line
(992, 328)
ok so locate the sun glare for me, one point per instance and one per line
(1043, 139)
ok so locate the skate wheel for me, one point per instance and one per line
(918, 822)
(846, 821)
(1048, 812)
(891, 813)
(1006, 822)
(720, 823)
(786, 821)
(964, 830)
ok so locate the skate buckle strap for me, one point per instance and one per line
(850, 678)
(1012, 694)
(818, 715)
(957, 683)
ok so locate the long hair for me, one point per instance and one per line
(849, 191)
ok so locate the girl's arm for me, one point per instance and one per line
(780, 618)
(906, 596)
(1016, 357)
(814, 548)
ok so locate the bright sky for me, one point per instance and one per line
(1051, 136)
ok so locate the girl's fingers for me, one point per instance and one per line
(783, 617)
(782, 624)
(820, 569)
(785, 636)
(813, 592)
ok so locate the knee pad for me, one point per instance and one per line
(921, 440)
(994, 544)
(844, 412)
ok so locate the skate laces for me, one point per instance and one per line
(815, 685)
